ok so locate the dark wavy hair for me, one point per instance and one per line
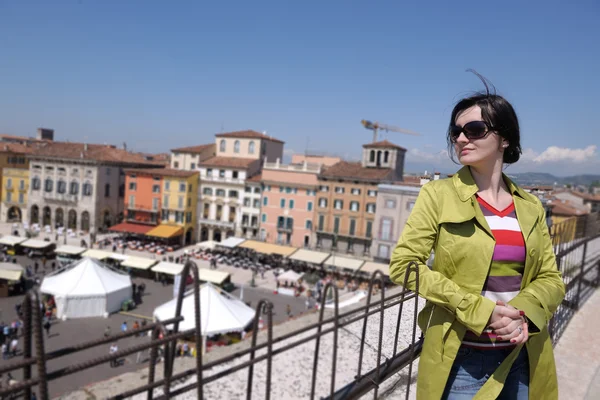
(497, 112)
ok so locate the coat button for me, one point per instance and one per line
(532, 252)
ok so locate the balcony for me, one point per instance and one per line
(249, 224)
(213, 178)
(140, 207)
(23, 188)
(213, 222)
(10, 188)
(60, 198)
(285, 228)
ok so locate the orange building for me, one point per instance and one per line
(143, 196)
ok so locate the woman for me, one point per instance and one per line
(494, 283)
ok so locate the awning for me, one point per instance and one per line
(231, 242)
(10, 271)
(344, 262)
(290, 276)
(369, 267)
(309, 256)
(213, 276)
(36, 244)
(208, 244)
(138, 262)
(268, 248)
(70, 250)
(168, 268)
(165, 231)
(11, 240)
(101, 255)
(127, 227)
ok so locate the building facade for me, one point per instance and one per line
(15, 184)
(189, 158)
(251, 200)
(394, 204)
(180, 202)
(288, 203)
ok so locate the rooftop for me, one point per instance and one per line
(255, 178)
(565, 209)
(19, 148)
(383, 144)
(355, 171)
(587, 196)
(168, 172)
(231, 162)
(92, 152)
(194, 149)
(248, 134)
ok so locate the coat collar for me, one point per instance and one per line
(466, 187)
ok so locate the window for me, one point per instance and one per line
(167, 185)
(354, 206)
(384, 251)
(369, 230)
(372, 156)
(131, 201)
(166, 201)
(247, 189)
(257, 190)
(176, 164)
(221, 173)
(189, 202)
(371, 208)
(107, 171)
(208, 171)
(352, 229)
(323, 188)
(295, 190)
(22, 184)
(410, 205)
(386, 229)
(288, 190)
(188, 217)
(132, 185)
(74, 188)
(220, 193)
(265, 201)
(165, 215)
(372, 193)
(21, 198)
(291, 204)
(309, 206)
(236, 146)
(9, 183)
(182, 186)
(246, 202)
(321, 222)
(355, 191)
(87, 189)
(37, 167)
(268, 188)
(309, 224)
(36, 183)
(391, 204)
(282, 203)
(107, 190)
(339, 189)
(322, 202)
(264, 218)
(61, 187)
(180, 202)
(338, 204)
(155, 188)
(336, 225)
(251, 148)
(280, 222)
(207, 191)
(256, 203)
(386, 156)
(155, 203)
(74, 171)
(222, 145)
(280, 189)
(9, 197)
(206, 210)
(48, 185)
(234, 194)
(234, 174)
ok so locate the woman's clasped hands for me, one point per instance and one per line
(508, 323)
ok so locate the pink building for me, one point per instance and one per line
(288, 203)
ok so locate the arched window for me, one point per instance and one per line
(372, 156)
(36, 183)
(74, 189)
(87, 189)
(220, 193)
(379, 158)
(386, 156)
(236, 146)
(61, 187)
(48, 185)
(251, 148)
(222, 145)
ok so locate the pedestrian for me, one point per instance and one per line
(136, 325)
(142, 288)
(134, 290)
(288, 310)
(485, 231)
(107, 331)
(36, 267)
(124, 326)
(33, 396)
(5, 350)
(47, 326)
(144, 323)
(114, 248)
(113, 349)
(53, 265)
(14, 346)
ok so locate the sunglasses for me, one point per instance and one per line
(472, 130)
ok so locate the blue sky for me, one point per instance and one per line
(163, 74)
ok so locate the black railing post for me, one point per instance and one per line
(580, 276)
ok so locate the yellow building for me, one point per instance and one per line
(15, 183)
(180, 201)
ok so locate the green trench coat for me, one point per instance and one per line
(447, 219)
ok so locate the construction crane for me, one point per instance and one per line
(376, 126)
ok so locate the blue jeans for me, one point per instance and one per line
(472, 368)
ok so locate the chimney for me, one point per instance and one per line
(85, 147)
(45, 134)
(436, 176)
(81, 155)
(424, 179)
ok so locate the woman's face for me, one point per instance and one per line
(474, 152)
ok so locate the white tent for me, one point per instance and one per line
(220, 312)
(87, 288)
(289, 276)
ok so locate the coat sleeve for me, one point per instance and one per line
(540, 299)
(415, 244)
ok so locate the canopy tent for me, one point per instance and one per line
(138, 262)
(369, 267)
(165, 231)
(70, 250)
(208, 244)
(221, 312)
(36, 244)
(168, 268)
(12, 240)
(213, 276)
(309, 256)
(126, 227)
(10, 271)
(290, 276)
(87, 289)
(339, 262)
(231, 242)
(102, 255)
(268, 248)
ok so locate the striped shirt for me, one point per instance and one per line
(508, 263)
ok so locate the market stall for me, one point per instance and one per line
(12, 244)
(67, 254)
(38, 248)
(11, 279)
